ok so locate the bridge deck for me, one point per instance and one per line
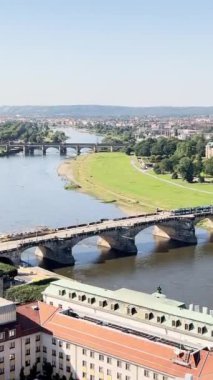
(9, 243)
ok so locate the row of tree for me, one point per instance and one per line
(47, 373)
(29, 132)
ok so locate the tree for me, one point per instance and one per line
(186, 169)
(33, 372)
(166, 165)
(47, 370)
(22, 375)
(157, 169)
(198, 166)
(208, 166)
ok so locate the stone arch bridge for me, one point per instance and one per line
(29, 148)
(118, 234)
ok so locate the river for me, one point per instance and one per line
(32, 195)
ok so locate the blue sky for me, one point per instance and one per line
(119, 52)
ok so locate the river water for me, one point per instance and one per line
(32, 195)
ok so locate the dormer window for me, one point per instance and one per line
(176, 323)
(91, 300)
(149, 316)
(115, 306)
(82, 297)
(131, 310)
(72, 295)
(189, 326)
(202, 330)
(103, 303)
(62, 292)
(161, 319)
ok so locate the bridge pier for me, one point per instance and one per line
(119, 241)
(78, 150)
(62, 150)
(44, 150)
(180, 230)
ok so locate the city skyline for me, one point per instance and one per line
(138, 53)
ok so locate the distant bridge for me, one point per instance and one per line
(118, 234)
(29, 148)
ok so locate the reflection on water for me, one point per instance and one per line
(32, 195)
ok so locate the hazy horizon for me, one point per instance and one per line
(138, 53)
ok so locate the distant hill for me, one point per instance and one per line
(84, 111)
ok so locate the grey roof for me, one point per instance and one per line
(155, 301)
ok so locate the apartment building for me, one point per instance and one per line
(83, 341)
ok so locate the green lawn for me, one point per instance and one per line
(111, 176)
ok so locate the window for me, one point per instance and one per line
(38, 360)
(155, 376)
(38, 349)
(101, 370)
(91, 300)
(60, 343)
(67, 358)
(51, 303)
(109, 372)
(146, 373)
(160, 319)
(1, 348)
(84, 351)
(127, 378)
(92, 377)
(119, 376)
(189, 326)
(92, 365)
(12, 333)
(2, 359)
(54, 363)
(127, 366)
(165, 377)
(61, 355)
(62, 292)
(37, 338)
(2, 335)
(103, 303)
(119, 363)
(84, 363)
(27, 352)
(61, 366)
(53, 352)
(131, 310)
(68, 369)
(27, 341)
(54, 341)
(149, 316)
(82, 297)
(12, 345)
(44, 360)
(67, 346)
(101, 357)
(176, 323)
(202, 330)
(12, 368)
(92, 354)
(44, 349)
(27, 363)
(115, 306)
(12, 357)
(109, 360)
(1, 371)
(72, 295)
(84, 374)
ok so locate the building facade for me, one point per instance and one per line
(209, 150)
(89, 333)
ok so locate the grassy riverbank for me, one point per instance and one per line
(111, 177)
